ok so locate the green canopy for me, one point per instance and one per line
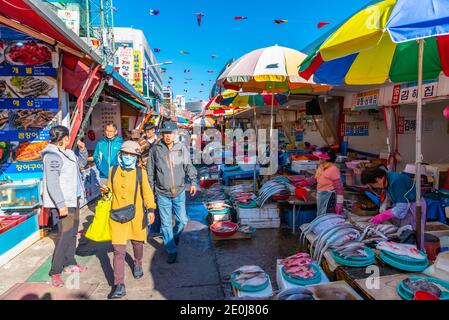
(133, 103)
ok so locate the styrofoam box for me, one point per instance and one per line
(284, 284)
(262, 224)
(257, 213)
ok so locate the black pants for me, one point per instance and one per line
(64, 254)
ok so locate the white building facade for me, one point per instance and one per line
(135, 61)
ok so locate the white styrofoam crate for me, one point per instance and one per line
(262, 224)
(257, 214)
(283, 284)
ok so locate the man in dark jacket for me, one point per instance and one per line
(168, 165)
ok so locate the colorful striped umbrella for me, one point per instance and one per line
(378, 44)
(272, 69)
(207, 122)
(232, 99)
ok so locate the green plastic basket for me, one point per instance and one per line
(247, 288)
(355, 261)
(252, 204)
(223, 211)
(407, 294)
(405, 258)
(301, 281)
(402, 264)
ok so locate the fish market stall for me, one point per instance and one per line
(32, 101)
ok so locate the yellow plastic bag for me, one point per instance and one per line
(100, 230)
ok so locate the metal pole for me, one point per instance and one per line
(255, 165)
(88, 21)
(419, 230)
(94, 102)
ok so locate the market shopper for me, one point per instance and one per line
(168, 165)
(329, 185)
(106, 151)
(400, 190)
(150, 133)
(129, 185)
(62, 192)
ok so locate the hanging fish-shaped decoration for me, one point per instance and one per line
(199, 16)
(280, 21)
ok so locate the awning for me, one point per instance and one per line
(120, 83)
(133, 104)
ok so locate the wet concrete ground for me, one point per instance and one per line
(202, 271)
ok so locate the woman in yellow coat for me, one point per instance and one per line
(122, 184)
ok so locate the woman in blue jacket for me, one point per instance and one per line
(401, 191)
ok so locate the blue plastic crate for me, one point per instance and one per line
(303, 215)
(17, 234)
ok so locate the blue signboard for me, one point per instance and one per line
(29, 103)
(25, 135)
(11, 71)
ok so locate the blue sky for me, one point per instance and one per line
(176, 29)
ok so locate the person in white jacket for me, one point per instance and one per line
(62, 192)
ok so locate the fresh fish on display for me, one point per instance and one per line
(298, 293)
(217, 205)
(340, 234)
(298, 265)
(400, 249)
(381, 232)
(351, 249)
(315, 223)
(224, 229)
(250, 276)
(422, 285)
(215, 193)
(279, 185)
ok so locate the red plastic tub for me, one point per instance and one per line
(214, 228)
(207, 183)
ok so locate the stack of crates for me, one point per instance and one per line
(260, 218)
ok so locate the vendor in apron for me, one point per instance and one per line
(401, 192)
(329, 185)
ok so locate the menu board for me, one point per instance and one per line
(28, 100)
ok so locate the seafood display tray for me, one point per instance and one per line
(407, 294)
(283, 284)
(258, 213)
(266, 293)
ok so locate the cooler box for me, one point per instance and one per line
(305, 214)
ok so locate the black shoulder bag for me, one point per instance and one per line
(127, 213)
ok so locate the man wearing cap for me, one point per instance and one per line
(150, 133)
(168, 165)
